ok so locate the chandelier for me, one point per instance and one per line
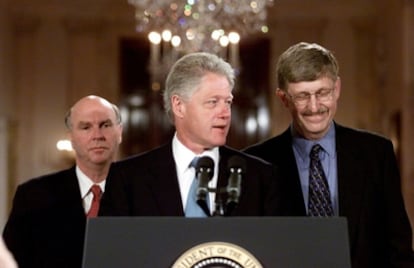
(178, 27)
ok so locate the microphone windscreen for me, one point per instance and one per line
(205, 162)
(238, 162)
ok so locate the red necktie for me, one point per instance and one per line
(93, 211)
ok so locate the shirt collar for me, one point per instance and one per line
(304, 146)
(183, 156)
(85, 183)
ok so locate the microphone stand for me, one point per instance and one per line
(228, 195)
(220, 209)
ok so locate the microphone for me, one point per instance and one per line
(204, 172)
(236, 167)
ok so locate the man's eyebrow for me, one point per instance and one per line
(106, 121)
(84, 123)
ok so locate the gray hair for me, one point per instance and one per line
(185, 76)
(305, 62)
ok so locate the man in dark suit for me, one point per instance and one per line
(359, 168)
(47, 221)
(198, 98)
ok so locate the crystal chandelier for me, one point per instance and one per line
(181, 26)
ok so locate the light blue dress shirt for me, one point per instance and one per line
(302, 148)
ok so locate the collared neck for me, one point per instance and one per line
(183, 156)
(85, 183)
(304, 146)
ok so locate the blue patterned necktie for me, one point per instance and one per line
(320, 204)
(192, 209)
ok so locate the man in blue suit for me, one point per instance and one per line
(360, 167)
(46, 225)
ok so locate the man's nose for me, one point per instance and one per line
(225, 109)
(97, 133)
(313, 103)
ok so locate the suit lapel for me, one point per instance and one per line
(350, 181)
(287, 163)
(164, 182)
(68, 191)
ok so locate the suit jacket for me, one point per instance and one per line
(47, 222)
(147, 185)
(369, 194)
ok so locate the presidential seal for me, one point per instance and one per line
(217, 255)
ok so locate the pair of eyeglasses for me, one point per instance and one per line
(303, 98)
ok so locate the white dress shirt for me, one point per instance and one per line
(185, 174)
(85, 184)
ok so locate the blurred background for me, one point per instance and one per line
(53, 52)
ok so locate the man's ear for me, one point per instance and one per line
(120, 133)
(337, 88)
(177, 106)
(282, 96)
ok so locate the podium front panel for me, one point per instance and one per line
(113, 242)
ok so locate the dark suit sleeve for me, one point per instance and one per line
(274, 199)
(399, 229)
(261, 191)
(114, 200)
(17, 230)
(47, 222)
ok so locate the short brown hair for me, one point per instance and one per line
(305, 62)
